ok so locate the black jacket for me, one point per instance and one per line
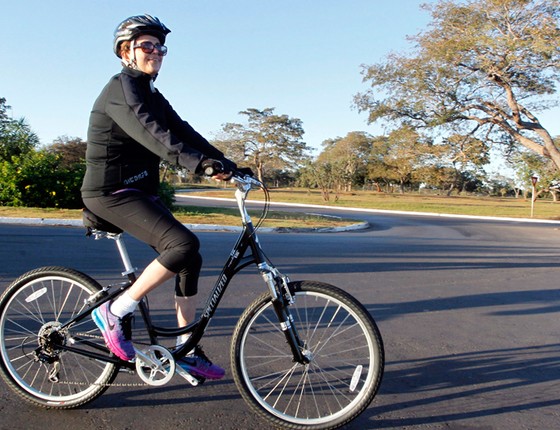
(131, 128)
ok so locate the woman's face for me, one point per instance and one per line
(149, 63)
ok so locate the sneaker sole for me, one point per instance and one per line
(100, 323)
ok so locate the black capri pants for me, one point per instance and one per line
(146, 218)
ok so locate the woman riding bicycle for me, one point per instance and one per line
(132, 128)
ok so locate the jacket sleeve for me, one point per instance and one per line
(183, 130)
(129, 110)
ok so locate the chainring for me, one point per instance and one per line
(155, 365)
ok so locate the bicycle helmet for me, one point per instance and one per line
(134, 26)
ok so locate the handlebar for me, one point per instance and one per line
(240, 178)
(246, 183)
(211, 167)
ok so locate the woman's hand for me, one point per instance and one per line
(222, 176)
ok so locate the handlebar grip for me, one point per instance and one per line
(212, 167)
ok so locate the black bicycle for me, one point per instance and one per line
(304, 355)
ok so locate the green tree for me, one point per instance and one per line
(318, 175)
(266, 141)
(466, 156)
(502, 185)
(529, 164)
(484, 68)
(3, 111)
(393, 159)
(38, 179)
(377, 170)
(71, 150)
(348, 158)
(16, 137)
(405, 153)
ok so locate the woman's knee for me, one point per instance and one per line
(181, 259)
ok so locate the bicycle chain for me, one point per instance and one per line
(113, 384)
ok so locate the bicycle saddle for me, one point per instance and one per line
(92, 221)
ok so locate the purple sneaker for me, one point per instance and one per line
(116, 331)
(199, 365)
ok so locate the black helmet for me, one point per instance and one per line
(133, 26)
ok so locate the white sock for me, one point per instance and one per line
(124, 305)
(182, 339)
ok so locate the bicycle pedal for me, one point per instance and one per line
(191, 379)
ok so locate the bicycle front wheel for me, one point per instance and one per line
(32, 312)
(345, 348)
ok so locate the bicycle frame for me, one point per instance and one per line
(247, 240)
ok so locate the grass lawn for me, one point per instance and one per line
(465, 205)
(199, 215)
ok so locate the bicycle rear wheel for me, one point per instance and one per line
(346, 351)
(32, 310)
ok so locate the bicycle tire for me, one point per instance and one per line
(33, 306)
(343, 376)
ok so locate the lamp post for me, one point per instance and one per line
(534, 180)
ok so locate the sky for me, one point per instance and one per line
(301, 57)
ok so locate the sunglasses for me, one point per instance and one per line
(148, 48)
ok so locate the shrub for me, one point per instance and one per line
(37, 179)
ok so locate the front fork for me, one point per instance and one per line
(281, 300)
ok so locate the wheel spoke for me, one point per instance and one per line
(33, 311)
(340, 339)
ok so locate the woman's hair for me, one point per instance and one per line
(125, 47)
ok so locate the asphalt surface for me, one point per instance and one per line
(468, 310)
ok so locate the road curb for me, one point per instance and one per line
(225, 228)
(198, 227)
(385, 211)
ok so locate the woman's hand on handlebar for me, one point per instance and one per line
(222, 170)
(217, 169)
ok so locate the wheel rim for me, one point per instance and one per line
(33, 312)
(339, 376)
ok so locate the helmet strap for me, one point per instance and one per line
(131, 63)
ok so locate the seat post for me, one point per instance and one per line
(129, 269)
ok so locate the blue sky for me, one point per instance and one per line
(302, 58)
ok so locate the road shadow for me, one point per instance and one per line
(531, 302)
(457, 387)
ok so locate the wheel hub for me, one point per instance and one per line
(48, 339)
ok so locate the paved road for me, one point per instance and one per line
(468, 310)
